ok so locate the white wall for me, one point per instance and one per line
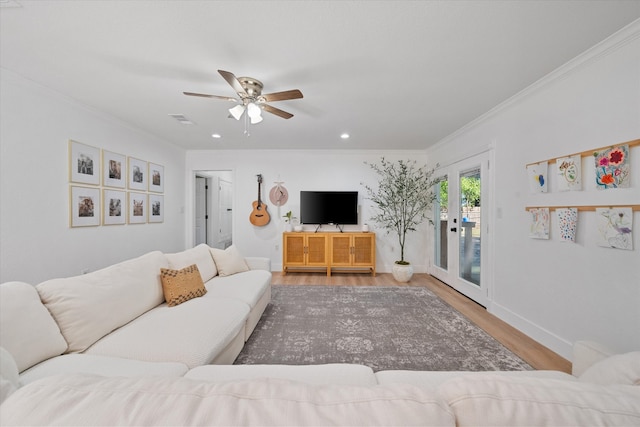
(559, 292)
(37, 243)
(300, 170)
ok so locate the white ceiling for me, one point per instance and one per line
(394, 74)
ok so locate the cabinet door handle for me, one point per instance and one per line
(454, 229)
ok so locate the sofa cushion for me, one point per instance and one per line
(198, 255)
(333, 373)
(229, 261)
(69, 364)
(27, 330)
(247, 287)
(181, 285)
(513, 401)
(89, 306)
(431, 380)
(193, 333)
(617, 369)
(76, 400)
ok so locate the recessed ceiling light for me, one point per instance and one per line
(345, 136)
(216, 135)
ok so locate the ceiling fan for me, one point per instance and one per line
(251, 98)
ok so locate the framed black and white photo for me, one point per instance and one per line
(84, 163)
(156, 178)
(114, 169)
(137, 208)
(137, 176)
(114, 207)
(156, 208)
(84, 206)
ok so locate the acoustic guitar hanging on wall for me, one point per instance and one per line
(259, 216)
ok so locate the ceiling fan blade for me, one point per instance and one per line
(282, 96)
(204, 95)
(276, 111)
(233, 81)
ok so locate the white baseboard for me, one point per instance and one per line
(550, 340)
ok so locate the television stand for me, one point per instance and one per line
(350, 252)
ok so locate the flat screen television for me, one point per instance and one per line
(329, 207)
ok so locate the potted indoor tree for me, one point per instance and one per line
(401, 202)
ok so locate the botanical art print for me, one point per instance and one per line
(84, 206)
(569, 173)
(537, 175)
(84, 163)
(156, 178)
(114, 169)
(156, 208)
(568, 223)
(539, 228)
(137, 208)
(114, 207)
(615, 227)
(612, 168)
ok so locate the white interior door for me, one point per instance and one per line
(461, 225)
(225, 213)
(201, 210)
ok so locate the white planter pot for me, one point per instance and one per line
(402, 273)
(288, 227)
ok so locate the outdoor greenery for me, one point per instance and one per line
(470, 188)
(403, 198)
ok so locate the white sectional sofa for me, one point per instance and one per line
(111, 321)
(103, 349)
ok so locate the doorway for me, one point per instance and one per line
(213, 215)
(461, 225)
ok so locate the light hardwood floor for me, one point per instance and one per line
(535, 354)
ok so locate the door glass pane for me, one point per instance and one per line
(440, 221)
(470, 209)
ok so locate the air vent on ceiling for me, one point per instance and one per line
(182, 119)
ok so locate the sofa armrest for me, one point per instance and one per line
(586, 353)
(258, 263)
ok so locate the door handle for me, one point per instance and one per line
(454, 229)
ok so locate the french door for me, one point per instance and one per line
(461, 224)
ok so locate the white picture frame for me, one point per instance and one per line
(84, 163)
(156, 208)
(84, 206)
(114, 207)
(137, 174)
(114, 169)
(156, 178)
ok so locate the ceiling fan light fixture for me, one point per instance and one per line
(255, 120)
(237, 111)
(253, 111)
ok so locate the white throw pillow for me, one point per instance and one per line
(618, 369)
(229, 261)
(27, 329)
(200, 256)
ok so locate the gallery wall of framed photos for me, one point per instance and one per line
(107, 188)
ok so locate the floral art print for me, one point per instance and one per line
(612, 168)
(615, 228)
(569, 173)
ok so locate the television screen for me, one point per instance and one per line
(329, 207)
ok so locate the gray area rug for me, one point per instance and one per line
(381, 327)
